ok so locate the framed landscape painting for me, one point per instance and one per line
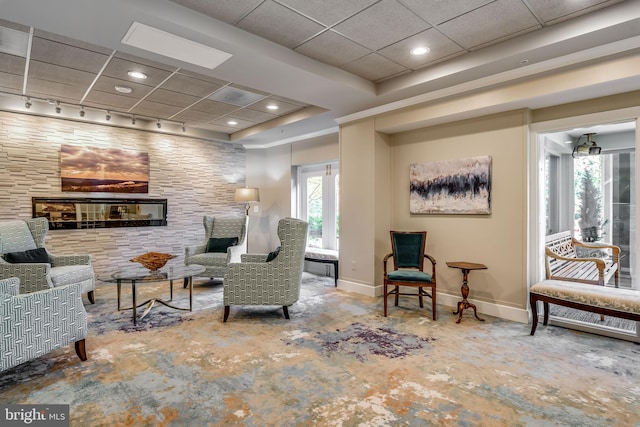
(109, 170)
(461, 186)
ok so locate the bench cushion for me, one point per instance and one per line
(317, 253)
(626, 300)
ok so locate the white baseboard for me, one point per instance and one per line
(492, 309)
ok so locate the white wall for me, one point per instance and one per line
(197, 177)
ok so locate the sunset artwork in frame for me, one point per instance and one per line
(459, 186)
(106, 170)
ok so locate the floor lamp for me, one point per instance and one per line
(247, 196)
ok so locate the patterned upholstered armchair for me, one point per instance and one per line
(269, 279)
(37, 323)
(25, 256)
(215, 253)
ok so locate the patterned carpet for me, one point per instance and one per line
(337, 362)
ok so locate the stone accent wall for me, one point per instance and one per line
(197, 177)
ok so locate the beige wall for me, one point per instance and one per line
(357, 205)
(271, 170)
(480, 123)
(197, 177)
(497, 240)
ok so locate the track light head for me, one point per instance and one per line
(27, 103)
(58, 108)
(158, 124)
(82, 113)
(108, 116)
(133, 120)
(184, 129)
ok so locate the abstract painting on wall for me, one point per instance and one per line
(461, 186)
(109, 170)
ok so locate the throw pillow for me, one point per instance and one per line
(220, 244)
(29, 256)
(273, 254)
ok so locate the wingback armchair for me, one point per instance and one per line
(39, 322)
(269, 279)
(22, 246)
(224, 242)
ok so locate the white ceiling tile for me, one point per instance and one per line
(332, 48)
(441, 47)
(556, 11)
(381, 25)
(497, 20)
(436, 12)
(223, 10)
(267, 21)
(45, 50)
(373, 67)
(328, 12)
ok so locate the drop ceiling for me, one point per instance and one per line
(315, 60)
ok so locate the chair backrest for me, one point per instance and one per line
(293, 240)
(225, 227)
(408, 249)
(21, 235)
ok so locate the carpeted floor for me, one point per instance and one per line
(337, 362)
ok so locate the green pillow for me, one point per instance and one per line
(221, 244)
(273, 254)
(29, 256)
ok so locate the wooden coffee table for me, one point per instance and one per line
(141, 275)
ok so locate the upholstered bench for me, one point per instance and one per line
(325, 256)
(615, 302)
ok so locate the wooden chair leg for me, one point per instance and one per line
(385, 294)
(397, 294)
(81, 350)
(226, 313)
(420, 297)
(433, 302)
(286, 311)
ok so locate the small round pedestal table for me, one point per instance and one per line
(466, 267)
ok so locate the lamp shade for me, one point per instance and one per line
(247, 195)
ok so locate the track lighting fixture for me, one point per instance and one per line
(94, 112)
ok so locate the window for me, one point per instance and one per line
(318, 195)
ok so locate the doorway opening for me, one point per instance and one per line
(589, 188)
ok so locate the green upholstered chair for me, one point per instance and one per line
(215, 259)
(20, 239)
(256, 281)
(39, 322)
(408, 268)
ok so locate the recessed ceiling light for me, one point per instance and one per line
(123, 89)
(137, 74)
(232, 122)
(420, 50)
(272, 107)
(524, 61)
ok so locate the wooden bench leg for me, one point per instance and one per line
(534, 313)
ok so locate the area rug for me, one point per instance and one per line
(336, 362)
